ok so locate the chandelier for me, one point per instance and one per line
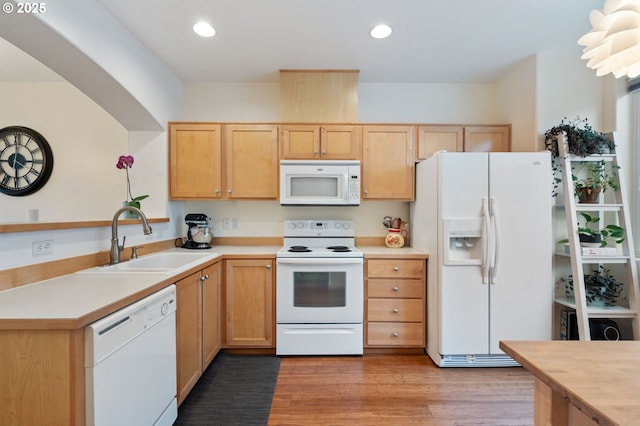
(613, 44)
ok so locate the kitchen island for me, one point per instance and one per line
(581, 382)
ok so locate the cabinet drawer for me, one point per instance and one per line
(395, 334)
(412, 289)
(395, 268)
(395, 310)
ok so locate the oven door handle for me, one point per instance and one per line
(320, 261)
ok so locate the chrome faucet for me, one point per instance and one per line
(116, 248)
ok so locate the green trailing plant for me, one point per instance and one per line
(603, 235)
(609, 232)
(599, 284)
(582, 141)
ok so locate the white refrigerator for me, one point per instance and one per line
(485, 220)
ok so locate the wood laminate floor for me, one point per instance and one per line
(398, 390)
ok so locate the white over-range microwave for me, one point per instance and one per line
(320, 182)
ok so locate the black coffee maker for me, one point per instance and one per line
(199, 233)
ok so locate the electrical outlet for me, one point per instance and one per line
(226, 223)
(235, 223)
(40, 248)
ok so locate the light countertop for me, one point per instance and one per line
(76, 300)
(410, 252)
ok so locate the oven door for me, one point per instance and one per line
(319, 290)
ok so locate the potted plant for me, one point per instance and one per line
(126, 162)
(582, 141)
(581, 138)
(590, 236)
(600, 287)
(598, 178)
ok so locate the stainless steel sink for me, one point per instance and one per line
(166, 263)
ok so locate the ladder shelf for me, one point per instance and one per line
(611, 209)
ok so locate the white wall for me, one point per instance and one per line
(426, 103)
(567, 88)
(86, 143)
(257, 102)
(85, 183)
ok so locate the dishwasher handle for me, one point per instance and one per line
(113, 326)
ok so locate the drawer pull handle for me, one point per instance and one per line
(395, 334)
(395, 268)
(396, 289)
(395, 310)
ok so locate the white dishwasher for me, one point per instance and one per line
(130, 364)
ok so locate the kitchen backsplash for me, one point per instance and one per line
(265, 218)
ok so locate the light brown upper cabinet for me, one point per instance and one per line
(249, 169)
(438, 138)
(454, 138)
(320, 142)
(195, 160)
(252, 161)
(487, 138)
(388, 162)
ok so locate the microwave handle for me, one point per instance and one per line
(317, 261)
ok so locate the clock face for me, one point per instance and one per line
(26, 161)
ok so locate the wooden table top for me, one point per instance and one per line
(601, 378)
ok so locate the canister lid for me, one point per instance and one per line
(197, 217)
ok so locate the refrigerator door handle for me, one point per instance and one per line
(495, 219)
(486, 246)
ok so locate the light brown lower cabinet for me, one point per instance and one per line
(198, 337)
(249, 297)
(395, 303)
(42, 377)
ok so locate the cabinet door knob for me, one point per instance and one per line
(268, 266)
(217, 191)
(395, 334)
(324, 152)
(395, 310)
(395, 268)
(228, 191)
(396, 289)
(315, 152)
(366, 192)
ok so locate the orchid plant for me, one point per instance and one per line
(126, 162)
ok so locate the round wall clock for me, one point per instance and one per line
(26, 161)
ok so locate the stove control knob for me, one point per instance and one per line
(346, 225)
(338, 225)
(292, 225)
(300, 225)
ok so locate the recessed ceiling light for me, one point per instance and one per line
(204, 29)
(380, 31)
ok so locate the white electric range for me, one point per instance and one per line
(319, 289)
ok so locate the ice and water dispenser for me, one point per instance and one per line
(463, 241)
